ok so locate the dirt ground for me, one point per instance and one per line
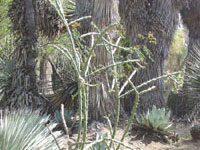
(185, 142)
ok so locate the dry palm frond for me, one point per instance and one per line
(191, 87)
(191, 16)
(16, 12)
(64, 84)
(65, 95)
(48, 19)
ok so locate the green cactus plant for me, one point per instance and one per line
(156, 120)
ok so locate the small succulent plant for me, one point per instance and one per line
(100, 145)
(67, 116)
(156, 120)
(195, 131)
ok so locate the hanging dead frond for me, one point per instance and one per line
(65, 95)
(16, 14)
(64, 84)
(191, 19)
(48, 19)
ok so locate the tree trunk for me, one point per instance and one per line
(83, 8)
(102, 103)
(24, 90)
(45, 76)
(155, 21)
(103, 13)
(191, 19)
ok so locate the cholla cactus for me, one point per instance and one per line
(26, 130)
(156, 120)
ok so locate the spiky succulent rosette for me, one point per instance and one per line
(156, 120)
(27, 130)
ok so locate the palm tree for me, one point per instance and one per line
(103, 13)
(28, 17)
(191, 19)
(156, 22)
(24, 88)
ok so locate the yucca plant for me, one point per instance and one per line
(7, 64)
(27, 130)
(156, 120)
(49, 21)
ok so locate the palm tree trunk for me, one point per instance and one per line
(102, 103)
(103, 13)
(24, 91)
(156, 22)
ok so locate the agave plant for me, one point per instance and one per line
(27, 130)
(67, 117)
(156, 120)
(103, 145)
